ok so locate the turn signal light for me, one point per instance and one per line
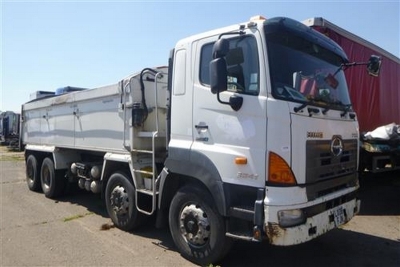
(241, 160)
(279, 171)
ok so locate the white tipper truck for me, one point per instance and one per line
(248, 133)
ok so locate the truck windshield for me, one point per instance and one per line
(304, 71)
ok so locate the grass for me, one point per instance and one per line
(75, 217)
(11, 157)
(6, 155)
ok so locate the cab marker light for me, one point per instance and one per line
(241, 160)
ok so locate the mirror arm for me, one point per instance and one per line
(345, 66)
(235, 102)
(231, 33)
(354, 64)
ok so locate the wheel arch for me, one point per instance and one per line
(111, 166)
(199, 171)
(39, 155)
(61, 157)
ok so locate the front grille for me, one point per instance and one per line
(322, 164)
(326, 173)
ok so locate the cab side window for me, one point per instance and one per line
(242, 64)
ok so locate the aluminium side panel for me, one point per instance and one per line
(99, 120)
(83, 120)
(48, 121)
(57, 127)
(30, 126)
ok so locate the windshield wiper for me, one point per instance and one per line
(310, 110)
(336, 103)
(313, 102)
(297, 109)
(346, 110)
(307, 103)
(325, 110)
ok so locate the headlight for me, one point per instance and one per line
(289, 218)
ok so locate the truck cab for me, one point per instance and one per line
(269, 132)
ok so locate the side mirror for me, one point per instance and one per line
(374, 65)
(220, 48)
(218, 75)
(218, 68)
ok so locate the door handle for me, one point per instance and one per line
(201, 127)
(201, 130)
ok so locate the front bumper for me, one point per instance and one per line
(314, 226)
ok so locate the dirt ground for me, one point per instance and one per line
(36, 231)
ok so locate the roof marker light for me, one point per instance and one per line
(257, 17)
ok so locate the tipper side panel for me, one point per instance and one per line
(97, 119)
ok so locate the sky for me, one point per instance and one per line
(46, 45)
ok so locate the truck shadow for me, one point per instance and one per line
(92, 202)
(380, 194)
(95, 204)
(337, 248)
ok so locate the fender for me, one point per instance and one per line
(62, 156)
(196, 165)
(111, 159)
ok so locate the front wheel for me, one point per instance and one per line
(120, 202)
(197, 228)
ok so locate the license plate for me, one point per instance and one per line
(338, 216)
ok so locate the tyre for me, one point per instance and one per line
(120, 202)
(197, 228)
(52, 182)
(32, 174)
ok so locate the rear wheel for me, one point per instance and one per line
(197, 228)
(120, 202)
(32, 173)
(52, 182)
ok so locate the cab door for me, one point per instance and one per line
(234, 141)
